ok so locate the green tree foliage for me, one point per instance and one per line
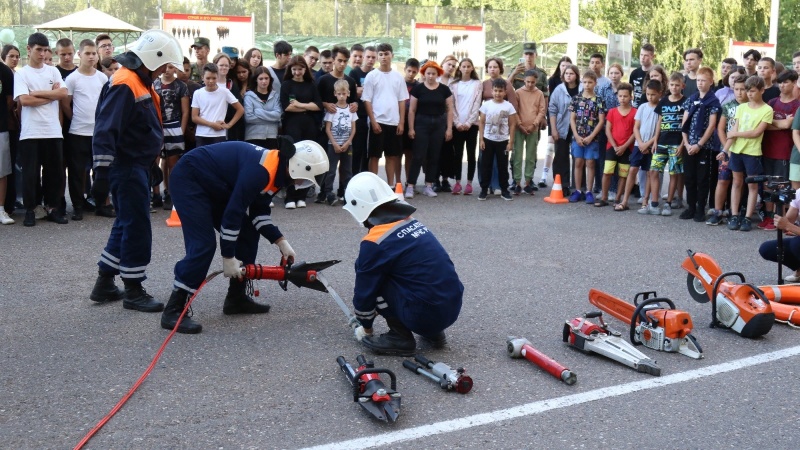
(676, 25)
(788, 29)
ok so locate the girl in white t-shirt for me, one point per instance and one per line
(466, 88)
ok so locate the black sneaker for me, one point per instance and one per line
(687, 214)
(88, 205)
(55, 216)
(437, 187)
(331, 199)
(30, 218)
(77, 214)
(446, 186)
(517, 189)
(167, 203)
(105, 211)
(505, 195)
(699, 216)
(529, 188)
(482, 196)
(158, 202)
(734, 223)
(714, 220)
(320, 198)
(746, 225)
(543, 185)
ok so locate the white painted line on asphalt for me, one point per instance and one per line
(541, 406)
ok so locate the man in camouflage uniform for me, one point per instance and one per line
(517, 76)
(201, 48)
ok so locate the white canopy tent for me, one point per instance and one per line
(574, 36)
(90, 20)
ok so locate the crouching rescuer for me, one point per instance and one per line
(402, 272)
(228, 187)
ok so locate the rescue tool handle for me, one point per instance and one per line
(644, 296)
(361, 360)
(593, 315)
(261, 272)
(345, 368)
(640, 314)
(357, 385)
(424, 361)
(412, 366)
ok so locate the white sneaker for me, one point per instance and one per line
(4, 218)
(612, 196)
(409, 191)
(291, 205)
(301, 204)
(428, 192)
(497, 192)
(40, 212)
(666, 210)
(271, 204)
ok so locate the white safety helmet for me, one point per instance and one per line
(156, 48)
(309, 160)
(365, 192)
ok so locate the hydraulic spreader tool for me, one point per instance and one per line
(369, 391)
(588, 337)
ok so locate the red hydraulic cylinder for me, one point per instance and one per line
(522, 348)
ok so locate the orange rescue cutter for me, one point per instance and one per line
(749, 310)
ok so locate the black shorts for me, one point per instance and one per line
(387, 142)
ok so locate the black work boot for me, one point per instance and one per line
(137, 298)
(436, 340)
(105, 290)
(397, 342)
(177, 301)
(238, 302)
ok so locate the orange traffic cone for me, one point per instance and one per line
(556, 194)
(174, 220)
(398, 191)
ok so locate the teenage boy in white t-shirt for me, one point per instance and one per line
(385, 97)
(209, 106)
(39, 88)
(84, 86)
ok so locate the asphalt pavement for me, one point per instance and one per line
(272, 381)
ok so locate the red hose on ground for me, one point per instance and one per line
(144, 375)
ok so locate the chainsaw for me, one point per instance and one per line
(589, 337)
(741, 307)
(369, 391)
(522, 348)
(447, 378)
(651, 324)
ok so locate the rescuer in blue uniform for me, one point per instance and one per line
(228, 187)
(127, 140)
(402, 272)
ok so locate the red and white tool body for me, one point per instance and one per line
(522, 348)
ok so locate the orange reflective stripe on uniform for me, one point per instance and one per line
(379, 232)
(140, 93)
(270, 160)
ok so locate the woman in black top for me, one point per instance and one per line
(300, 101)
(430, 123)
(552, 84)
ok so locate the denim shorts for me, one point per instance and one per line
(591, 151)
(749, 164)
(640, 160)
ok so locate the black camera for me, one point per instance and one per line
(780, 189)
